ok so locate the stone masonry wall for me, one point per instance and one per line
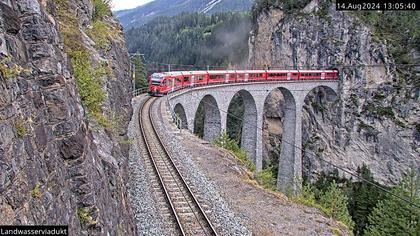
(57, 166)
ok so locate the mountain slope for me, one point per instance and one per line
(143, 14)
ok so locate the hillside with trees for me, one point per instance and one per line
(192, 41)
(141, 15)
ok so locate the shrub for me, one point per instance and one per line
(99, 33)
(227, 143)
(332, 202)
(308, 197)
(88, 78)
(101, 9)
(20, 128)
(36, 192)
(10, 70)
(288, 6)
(89, 86)
(266, 178)
(85, 217)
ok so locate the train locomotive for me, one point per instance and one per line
(161, 84)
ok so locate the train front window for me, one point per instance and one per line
(156, 79)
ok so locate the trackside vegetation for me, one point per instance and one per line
(363, 208)
(88, 73)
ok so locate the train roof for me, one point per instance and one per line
(177, 73)
(315, 71)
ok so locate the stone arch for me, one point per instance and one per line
(180, 112)
(319, 110)
(286, 161)
(249, 124)
(212, 118)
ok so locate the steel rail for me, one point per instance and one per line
(201, 218)
(155, 168)
(209, 224)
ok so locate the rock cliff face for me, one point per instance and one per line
(58, 165)
(375, 119)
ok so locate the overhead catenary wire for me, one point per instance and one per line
(322, 159)
(291, 67)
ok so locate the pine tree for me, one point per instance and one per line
(335, 203)
(140, 72)
(363, 199)
(393, 216)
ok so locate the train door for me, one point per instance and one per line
(289, 76)
(173, 84)
(323, 75)
(246, 77)
(192, 80)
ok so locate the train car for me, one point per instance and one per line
(216, 76)
(157, 85)
(257, 75)
(282, 74)
(164, 83)
(318, 74)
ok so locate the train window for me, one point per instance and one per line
(168, 82)
(186, 79)
(199, 77)
(277, 74)
(156, 79)
(216, 76)
(155, 82)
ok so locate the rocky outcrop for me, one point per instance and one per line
(58, 165)
(375, 119)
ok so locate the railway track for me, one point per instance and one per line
(180, 209)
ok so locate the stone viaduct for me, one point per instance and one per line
(216, 100)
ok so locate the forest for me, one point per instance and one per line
(193, 41)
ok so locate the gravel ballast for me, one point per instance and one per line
(147, 218)
(222, 217)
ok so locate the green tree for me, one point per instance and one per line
(393, 216)
(140, 72)
(335, 204)
(363, 198)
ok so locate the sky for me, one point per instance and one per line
(127, 4)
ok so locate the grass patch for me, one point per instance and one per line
(127, 141)
(332, 202)
(99, 34)
(85, 217)
(88, 77)
(101, 9)
(266, 178)
(10, 70)
(20, 128)
(87, 80)
(380, 111)
(36, 192)
(227, 143)
(385, 111)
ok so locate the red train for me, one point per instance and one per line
(164, 83)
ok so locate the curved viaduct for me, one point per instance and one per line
(216, 100)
